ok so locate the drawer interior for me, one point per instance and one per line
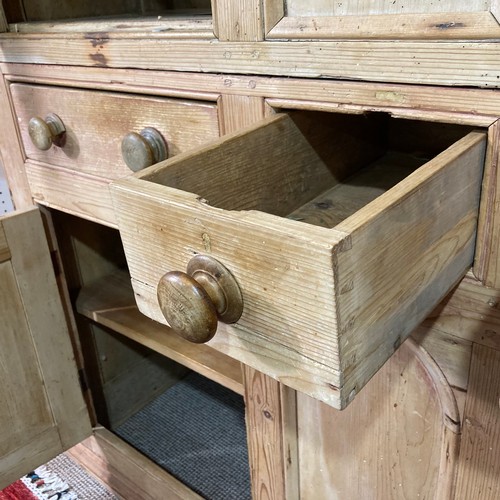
(314, 167)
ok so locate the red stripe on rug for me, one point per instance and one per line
(17, 491)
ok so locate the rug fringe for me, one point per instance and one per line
(48, 486)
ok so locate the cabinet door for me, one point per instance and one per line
(42, 411)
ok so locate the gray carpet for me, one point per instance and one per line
(196, 431)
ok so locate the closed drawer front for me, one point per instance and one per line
(342, 233)
(90, 148)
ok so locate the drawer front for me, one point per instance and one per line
(96, 123)
(323, 307)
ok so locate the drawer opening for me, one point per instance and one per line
(314, 167)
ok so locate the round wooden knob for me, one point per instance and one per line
(143, 150)
(44, 133)
(193, 302)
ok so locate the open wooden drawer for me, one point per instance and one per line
(341, 231)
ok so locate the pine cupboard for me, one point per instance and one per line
(267, 115)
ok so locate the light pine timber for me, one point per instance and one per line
(323, 369)
(468, 106)
(11, 154)
(125, 471)
(470, 312)
(399, 439)
(4, 247)
(242, 20)
(430, 63)
(77, 193)
(198, 27)
(270, 410)
(487, 261)
(96, 123)
(272, 437)
(424, 26)
(44, 411)
(479, 463)
(377, 7)
(110, 302)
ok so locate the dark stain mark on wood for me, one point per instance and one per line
(97, 38)
(450, 25)
(99, 59)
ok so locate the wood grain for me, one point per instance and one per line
(266, 431)
(76, 193)
(424, 26)
(398, 440)
(396, 268)
(430, 63)
(479, 464)
(470, 312)
(241, 20)
(474, 106)
(127, 472)
(378, 7)
(96, 126)
(487, 260)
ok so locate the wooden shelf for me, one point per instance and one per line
(110, 302)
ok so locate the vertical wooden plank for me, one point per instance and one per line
(238, 20)
(479, 461)
(487, 260)
(272, 437)
(11, 154)
(237, 111)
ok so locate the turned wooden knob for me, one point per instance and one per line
(44, 133)
(193, 302)
(143, 150)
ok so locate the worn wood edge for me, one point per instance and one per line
(431, 62)
(478, 107)
(123, 317)
(486, 263)
(195, 27)
(125, 471)
(76, 193)
(393, 110)
(439, 26)
(414, 182)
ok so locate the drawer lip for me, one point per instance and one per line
(319, 358)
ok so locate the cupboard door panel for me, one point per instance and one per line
(42, 411)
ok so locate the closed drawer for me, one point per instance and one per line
(72, 174)
(342, 233)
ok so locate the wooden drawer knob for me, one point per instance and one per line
(143, 150)
(194, 301)
(44, 133)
